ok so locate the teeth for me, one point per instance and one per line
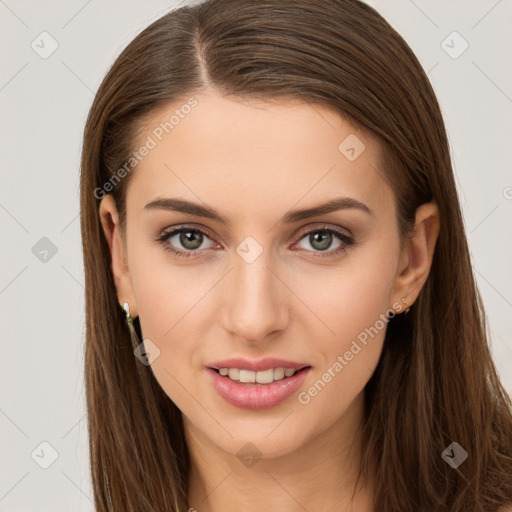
(247, 376)
(234, 374)
(279, 373)
(265, 377)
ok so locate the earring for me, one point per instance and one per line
(408, 309)
(129, 322)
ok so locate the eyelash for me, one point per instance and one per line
(164, 237)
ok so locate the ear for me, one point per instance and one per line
(416, 257)
(119, 263)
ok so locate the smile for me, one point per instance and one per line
(247, 392)
(262, 377)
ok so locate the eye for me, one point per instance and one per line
(321, 239)
(188, 240)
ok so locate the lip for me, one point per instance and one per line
(259, 365)
(257, 396)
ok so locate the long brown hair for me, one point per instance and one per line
(435, 382)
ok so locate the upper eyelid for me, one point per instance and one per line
(168, 232)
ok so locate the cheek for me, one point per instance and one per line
(352, 303)
(348, 360)
(172, 307)
(352, 296)
(170, 295)
(176, 304)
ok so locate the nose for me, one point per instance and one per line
(256, 304)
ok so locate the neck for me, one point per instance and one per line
(319, 475)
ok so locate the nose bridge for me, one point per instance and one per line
(256, 306)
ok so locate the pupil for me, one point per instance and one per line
(325, 240)
(191, 239)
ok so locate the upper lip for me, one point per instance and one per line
(259, 365)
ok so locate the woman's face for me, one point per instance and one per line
(267, 281)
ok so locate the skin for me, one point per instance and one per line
(253, 162)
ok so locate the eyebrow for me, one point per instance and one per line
(181, 205)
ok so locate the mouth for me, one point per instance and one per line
(244, 376)
(264, 389)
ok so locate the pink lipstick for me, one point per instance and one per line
(257, 384)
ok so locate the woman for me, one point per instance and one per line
(280, 305)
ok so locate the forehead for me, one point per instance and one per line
(255, 154)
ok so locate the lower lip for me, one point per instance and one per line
(254, 395)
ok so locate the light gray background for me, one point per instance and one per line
(44, 103)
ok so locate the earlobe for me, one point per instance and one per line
(110, 222)
(418, 254)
